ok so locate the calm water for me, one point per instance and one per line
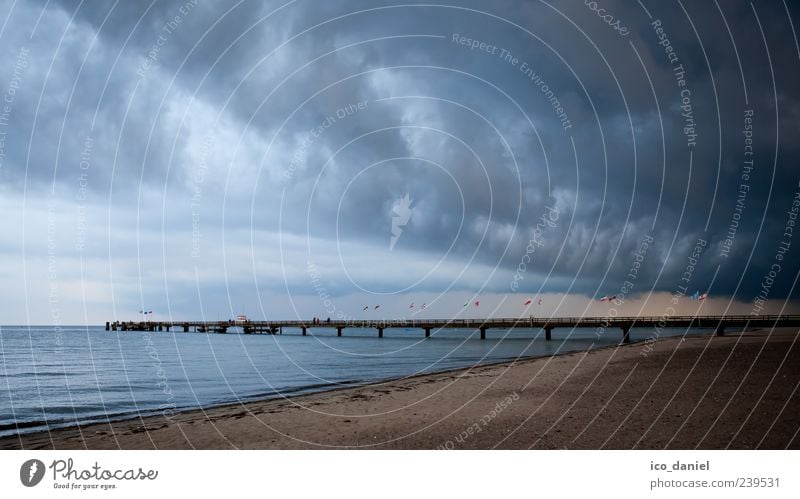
(78, 374)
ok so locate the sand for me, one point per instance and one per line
(739, 391)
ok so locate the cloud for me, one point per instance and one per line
(157, 128)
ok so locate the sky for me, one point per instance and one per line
(292, 159)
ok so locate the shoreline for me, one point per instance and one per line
(584, 399)
(297, 394)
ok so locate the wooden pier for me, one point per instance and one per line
(601, 325)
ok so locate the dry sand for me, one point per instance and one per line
(739, 391)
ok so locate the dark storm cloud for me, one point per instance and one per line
(203, 115)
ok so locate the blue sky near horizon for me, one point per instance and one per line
(299, 158)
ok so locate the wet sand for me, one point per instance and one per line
(739, 391)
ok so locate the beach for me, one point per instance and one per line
(739, 391)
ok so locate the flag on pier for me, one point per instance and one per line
(528, 301)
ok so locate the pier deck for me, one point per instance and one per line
(600, 324)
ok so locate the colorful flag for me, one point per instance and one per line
(366, 307)
(540, 301)
(412, 305)
(423, 306)
(477, 303)
(528, 301)
(702, 297)
(466, 303)
(605, 298)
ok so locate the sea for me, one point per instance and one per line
(52, 377)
